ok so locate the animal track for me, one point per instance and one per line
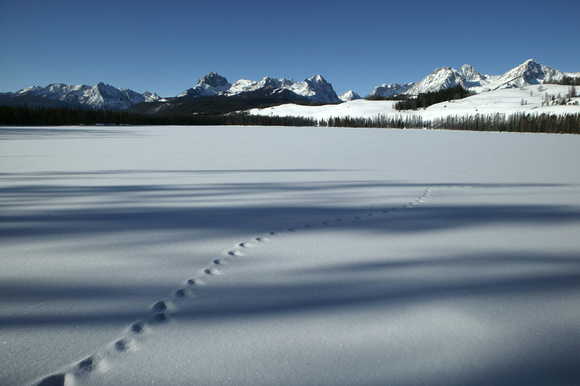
(159, 309)
(53, 380)
(211, 271)
(87, 366)
(138, 327)
(160, 306)
(159, 317)
(181, 293)
(122, 345)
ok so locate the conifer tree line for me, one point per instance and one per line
(522, 122)
(430, 98)
(35, 116)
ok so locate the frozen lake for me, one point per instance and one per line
(269, 255)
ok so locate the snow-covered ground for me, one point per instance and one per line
(526, 99)
(263, 255)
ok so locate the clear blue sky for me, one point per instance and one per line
(166, 46)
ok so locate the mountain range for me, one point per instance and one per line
(529, 72)
(100, 96)
(214, 94)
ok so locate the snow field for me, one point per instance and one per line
(506, 101)
(242, 255)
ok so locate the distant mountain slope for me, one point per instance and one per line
(100, 96)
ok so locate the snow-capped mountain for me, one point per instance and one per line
(100, 96)
(210, 85)
(527, 73)
(385, 91)
(349, 96)
(440, 79)
(315, 89)
(530, 72)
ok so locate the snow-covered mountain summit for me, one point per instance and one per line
(210, 85)
(530, 72)
(349, 96)
(315, 89)
(442, 78)
(393, 89)
(100, 96)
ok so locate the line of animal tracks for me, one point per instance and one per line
(161, 311)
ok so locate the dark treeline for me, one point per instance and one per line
(519, 123)
(528, 123)
(427, 99)
(566, 81)
(32, 116)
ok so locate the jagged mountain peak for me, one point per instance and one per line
(390, 90)
(214, 80)
(529, 72)
(469, 73)
(349, 96)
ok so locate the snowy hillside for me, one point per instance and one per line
(528, 99)
(315, 89)
(100, 96)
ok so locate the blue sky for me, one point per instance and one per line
(166, 46)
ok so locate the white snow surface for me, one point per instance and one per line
(265, 255)
(527, 99)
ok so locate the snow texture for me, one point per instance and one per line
(265, 255)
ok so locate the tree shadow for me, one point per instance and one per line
(16, 133)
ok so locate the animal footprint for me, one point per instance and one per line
(53, 380)
(159, 317)
(211, 271)
(122, 345)
(159, 306)
(181, 293)
(138, 327)
(87, 365)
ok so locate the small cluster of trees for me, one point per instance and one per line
(566, 81)
(554, 100)
(427, 99)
